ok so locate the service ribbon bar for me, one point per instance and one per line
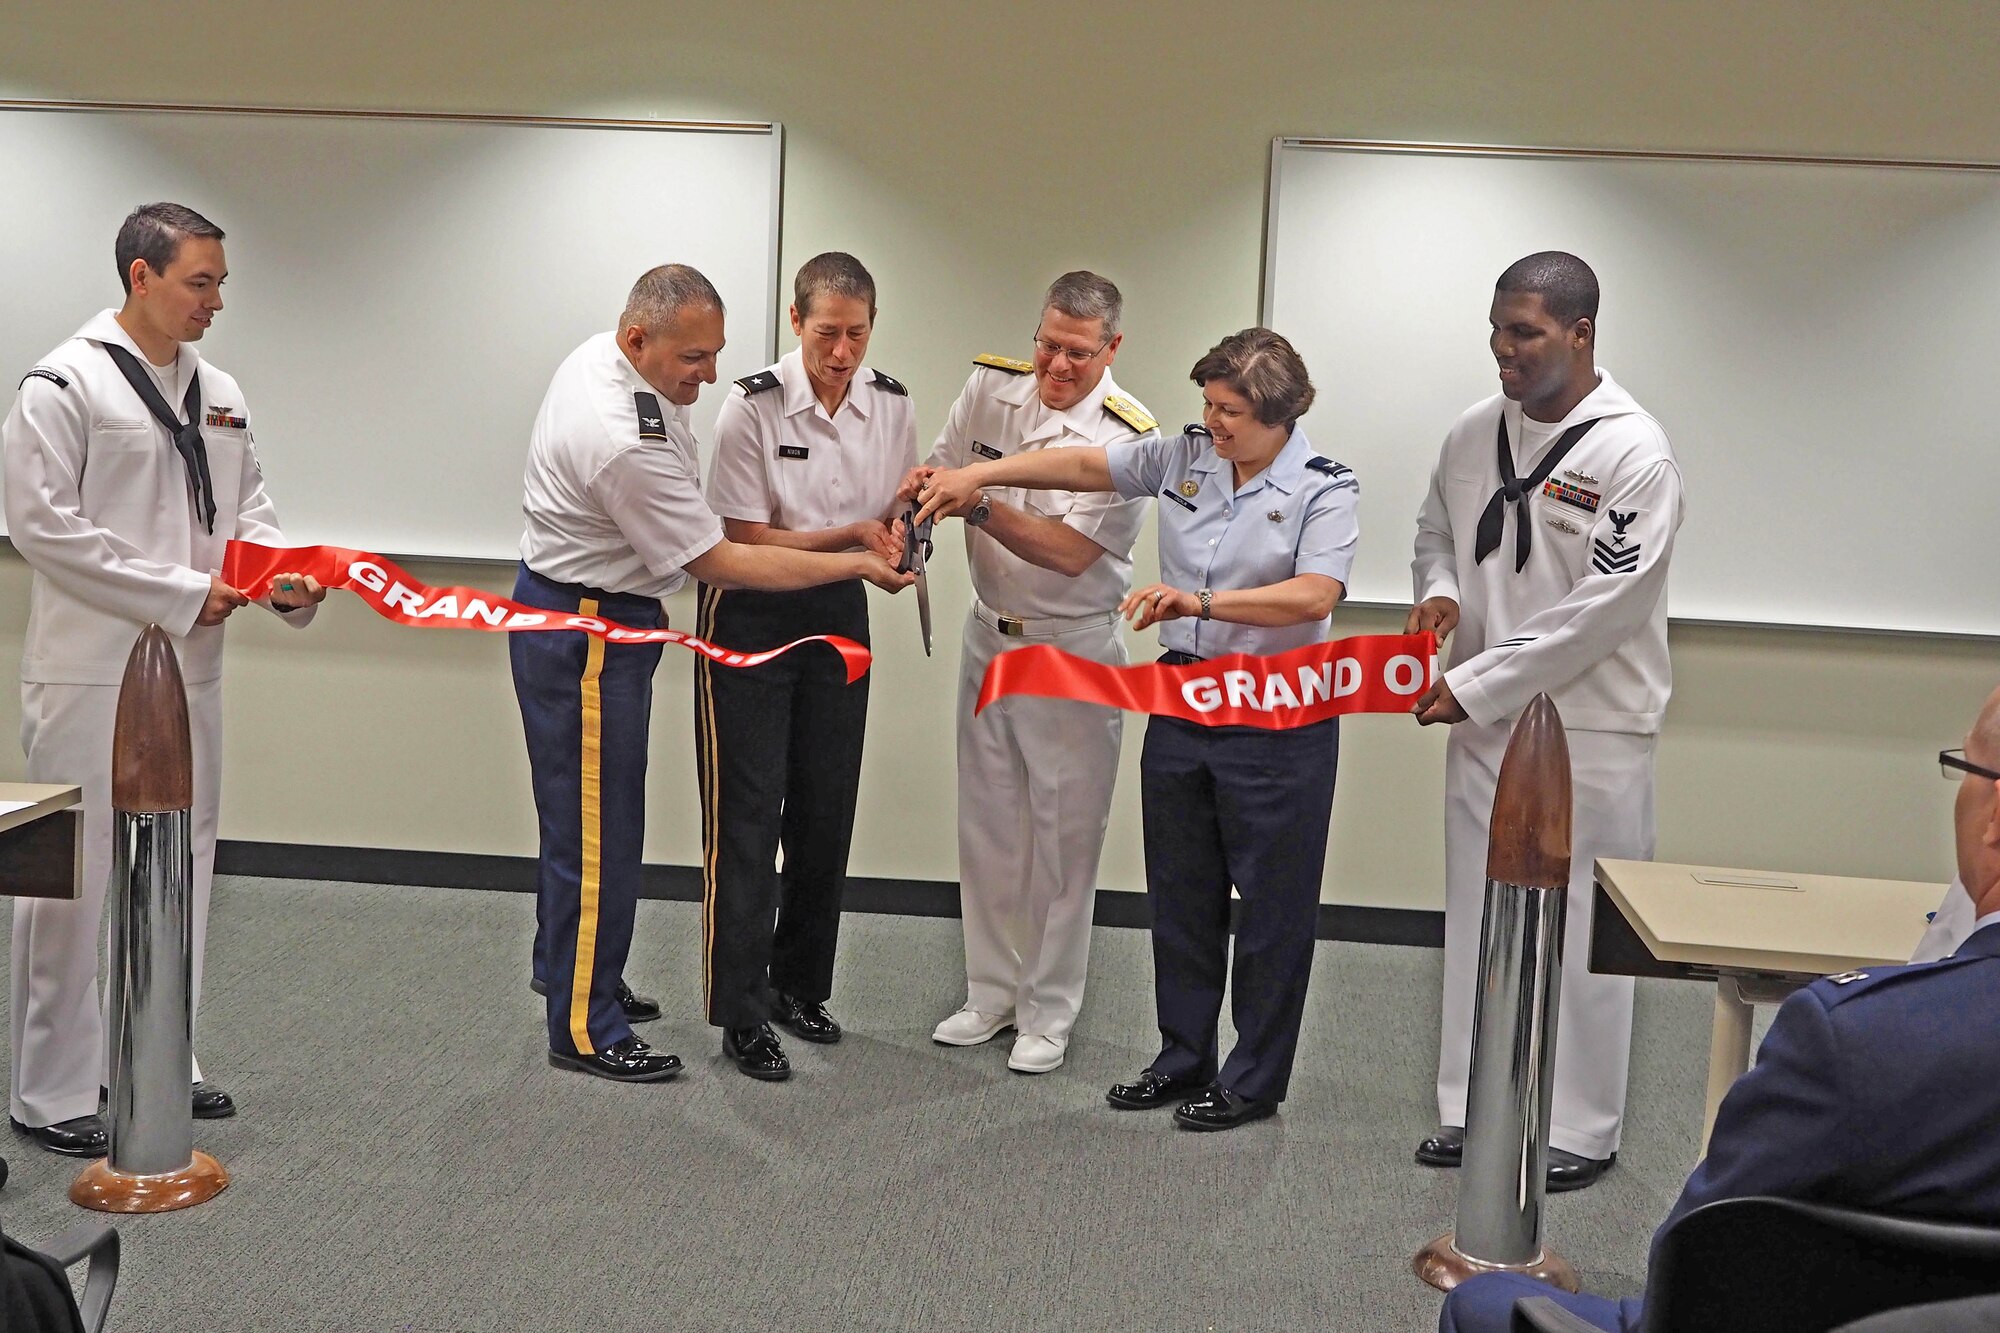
(1370, 673)
(394, 595)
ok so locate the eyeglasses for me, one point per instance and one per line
(1953, 764)
(1075, 358)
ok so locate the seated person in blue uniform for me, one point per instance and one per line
(1876, 1090)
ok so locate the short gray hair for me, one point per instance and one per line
(658, 298)
(1084, 295)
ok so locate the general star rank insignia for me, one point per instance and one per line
(1190, 488)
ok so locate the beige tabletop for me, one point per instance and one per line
(42, 798)
(1769, 921)
(1759, 934)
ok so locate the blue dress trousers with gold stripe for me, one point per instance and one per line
(585, 705)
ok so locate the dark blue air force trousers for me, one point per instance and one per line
(585, 705)
(1246, 807)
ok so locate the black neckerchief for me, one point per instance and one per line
(1512, 490)
(186, 435)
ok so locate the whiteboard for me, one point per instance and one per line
(401, 287)
(1819, 339)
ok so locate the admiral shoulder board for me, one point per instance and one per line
(762, 380)
(1006, 363)
(890, 385)
(1129, 412)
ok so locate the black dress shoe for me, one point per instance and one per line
(1568, 1171)
(757, 1053)
(209, 1102)
(1446, 1147)
(212, 1103)
(1150, 1090)
(84, 1136)
(628, 1061)
(638, 1008)
(809, 1021)
(1219, 1108)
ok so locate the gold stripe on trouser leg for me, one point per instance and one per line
(711, 792)
(592, 783)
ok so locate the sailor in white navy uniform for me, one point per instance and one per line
(1035, 776)
(129, 467)
(808, 454)
(1544, 544)
(1257, 535)
(616, 521)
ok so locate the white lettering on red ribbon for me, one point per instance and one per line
(1405, 674)
(1367, 674)
(396, 596)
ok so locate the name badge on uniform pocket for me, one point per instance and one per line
(1180, 500)
(984, 450)
(793, 451)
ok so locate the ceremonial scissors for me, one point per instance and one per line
(916, 552)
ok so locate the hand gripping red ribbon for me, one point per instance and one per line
(1371, 673)
(396, 596)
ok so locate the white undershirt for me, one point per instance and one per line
(1535, 436)
(173, 386)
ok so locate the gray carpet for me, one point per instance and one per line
(406, 1159)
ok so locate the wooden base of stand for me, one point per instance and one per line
(1440, 1264)
(110, 1191)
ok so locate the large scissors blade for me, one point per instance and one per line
(916, 554)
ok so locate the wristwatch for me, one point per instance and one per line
(981, 511)
(1204, 594)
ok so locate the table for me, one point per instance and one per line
(1758, 934)
(41, 840)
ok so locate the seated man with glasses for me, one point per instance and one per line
(1876, 1089)
(1953, 920)
(1035, 775)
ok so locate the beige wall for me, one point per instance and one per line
(967, 154)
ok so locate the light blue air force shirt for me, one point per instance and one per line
(1297, 516)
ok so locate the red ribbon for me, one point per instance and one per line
(394, 595)
(1370, 673)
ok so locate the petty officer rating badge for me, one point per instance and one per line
(1620, 555)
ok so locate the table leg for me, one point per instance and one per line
(1728, 1049)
